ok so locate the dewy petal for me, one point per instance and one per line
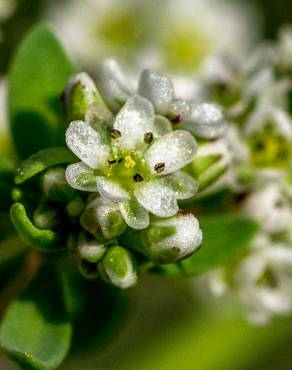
(81, 177)
(113, 84)
(161, 126)
(87, 144)
(111, 190)
(183, 185)
(206, 121)
(157, 199)
(174, 150)
(134, 120)
(158, 89)
(134, 214)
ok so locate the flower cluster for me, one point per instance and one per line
(140, 154)
(258, 141)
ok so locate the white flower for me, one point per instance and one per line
(204, 120)
(131, 164)
(270, 208)
(170, 35)
(285, 47)
(264, 283)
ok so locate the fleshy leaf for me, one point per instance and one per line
(36, 332)
(42, 160)
(224, 240)
(44, 239)
(38, 76)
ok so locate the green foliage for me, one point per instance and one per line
(37, 79)
(225, 239)
(35, 331)
(42, 160)
(43, 239)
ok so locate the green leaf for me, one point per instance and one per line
(35, 331)
(224, 240)
(6, 183)
(38, 76)
(46, 240)
(42, 160)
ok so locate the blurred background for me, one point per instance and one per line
(168, 324)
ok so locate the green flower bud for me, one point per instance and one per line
(45, 217)
(80, 94)
(90, 249)
(119, 267)
(75, 207)
(55, 186)
(210, 163)
(167, 240)
(104, 215)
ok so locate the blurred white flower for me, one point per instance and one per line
(270, 207)
(264, 283)
(285, 47)
(166, 34)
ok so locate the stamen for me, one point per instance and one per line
(159, 167)
(137, 177)
(148, 138)
(111, 162)
(115, 134)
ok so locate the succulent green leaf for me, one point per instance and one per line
(42, 160)
(35, 331)
(46, 240)
(38, 76)
(225, 238)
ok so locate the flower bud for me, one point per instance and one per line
(167, 240)
(104, 215)
(90, 249)
(80, 93)
(119, 268)
(210, 163)
(206, 121)
(75, 207)
(45, 217)
(55, 186)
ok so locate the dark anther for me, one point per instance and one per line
(111, 162)
(137, 177)
(159, 167)
(115, 134)
(148, 138)
(176, 119)
(184, 212)
(120, 160)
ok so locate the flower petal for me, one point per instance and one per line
(158, 89)
(134, 120)
(161, 126)
(174, 150)
(113, 84)
(134, 214)
(157, 199)
(111, 190)
(183, 185)
(81, 177)
(87, 144)
(206, 121)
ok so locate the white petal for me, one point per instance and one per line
(187, 236)
(183, 185)
(111, 190)
(87, 144)
(134, 214)
(134, 120)
(158, 89)
(206, 121)
(175, 150)
(81, 177)
(157, 199)
(113, 84)
(161, 126)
